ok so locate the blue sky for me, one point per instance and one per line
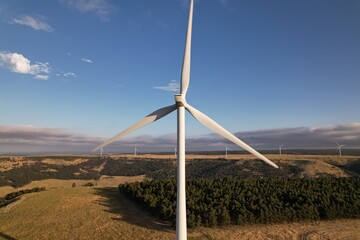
(91, 68)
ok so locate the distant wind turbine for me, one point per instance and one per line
(339, 148)
(226, 152)
(135, 149)
(280, 146)
(101, 152)
(180, 105)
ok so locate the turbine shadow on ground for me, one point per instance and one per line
(116, 203)
(6, 237)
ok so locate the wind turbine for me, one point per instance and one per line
(339, 148)
(135, 149)
(101, 152)
(280, 146)
(226, 151)
(180, 105)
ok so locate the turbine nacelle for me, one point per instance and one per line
(180, 100)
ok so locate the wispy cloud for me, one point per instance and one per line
(101, 8)
(18, 138)
(87, 60)
(42, 77)
(173, 86)
(17, 63)
(37, 23)
(69, 74)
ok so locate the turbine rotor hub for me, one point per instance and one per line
(180, 100)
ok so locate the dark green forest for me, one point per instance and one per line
(224, 201)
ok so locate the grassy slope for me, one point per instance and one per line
(104, 181)
(78, 213)
(101, 213)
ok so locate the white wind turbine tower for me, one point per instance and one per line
(280, 147)
(135, 149)
(339, 148)
(180, 105)
(226, 151)
(101, 152)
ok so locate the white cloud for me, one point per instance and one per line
(101, 8)
(34, 23)
(17, 63)
(173, 86)
(40, 67)
(87, 60)
(41, 77)
(69, 74)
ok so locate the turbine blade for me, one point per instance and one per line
(211, 124)
(185, 73)
(152, 117)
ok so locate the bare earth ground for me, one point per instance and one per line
(64, 212)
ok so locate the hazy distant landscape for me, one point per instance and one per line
(17, 171)
(69, 209)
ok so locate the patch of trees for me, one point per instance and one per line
(155, 169)
(89, 184)
(220, 168)
(197, 168)
(352, 168)
(14, 196)
(220, 202)
(23, 175)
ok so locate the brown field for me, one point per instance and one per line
(7, 163)
(60, 161)
(66, 212)
(104, 181)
